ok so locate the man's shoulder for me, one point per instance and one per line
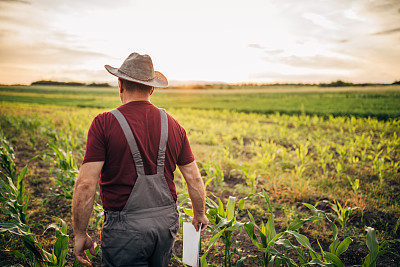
(103, 117)
(174, 122)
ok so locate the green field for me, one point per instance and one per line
(382, 102)
(336, 150)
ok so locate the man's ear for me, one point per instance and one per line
(120, 86)
(152, 91)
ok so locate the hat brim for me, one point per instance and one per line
(159, 81)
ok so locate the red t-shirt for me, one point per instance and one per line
(106, 142)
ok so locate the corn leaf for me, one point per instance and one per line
(343, 246)
(315, 255)
(266, 199)
(252, 220)
(203, 260)
(287, 244)
(299, 223)
(320, 263)
(214, 239)
(223, 222)
(333, 258)
(235, 226)
(230, 208)
(334, 245)
(397, 226)
(314, 209)
(241, 204)
(249, 228)
(15, 229)
(270, 228)
(372, 242)
(188, 212)
(221, 211)
(303, 240)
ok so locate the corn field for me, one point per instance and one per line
(282, 190)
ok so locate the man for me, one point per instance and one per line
(132, 152)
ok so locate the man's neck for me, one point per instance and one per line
(134, 97)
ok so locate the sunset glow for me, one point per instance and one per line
(229, 41)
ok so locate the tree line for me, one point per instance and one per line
(45, 82)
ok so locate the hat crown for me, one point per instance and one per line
(138, 66)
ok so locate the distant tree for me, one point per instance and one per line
(338, 83)
(44, 82)
(396, 83)
(99, 85)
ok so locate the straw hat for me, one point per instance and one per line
(139, 68)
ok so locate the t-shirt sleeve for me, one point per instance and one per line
(95, 145)
(186, 155)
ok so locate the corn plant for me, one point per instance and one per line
(251, 177)
(355, 185)
(14, 203)
(223, 223)
(14, 206)
(343, 151)
(268, 239)
(60, 248)
(373, 247)
(214, 173)
(302, 151)
(7, 165)
(338, 168)
(266, 152)
(324, 157)
(66, 170)
(336, 248)
(379, 165)
(394, 165)
(342, 213)
(397, 225)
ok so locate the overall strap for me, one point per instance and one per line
(163, 141)
(131, 141)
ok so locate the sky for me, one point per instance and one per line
(264, 41)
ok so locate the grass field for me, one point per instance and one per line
(382, 102)
(337, 149)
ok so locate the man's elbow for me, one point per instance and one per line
(85, 186)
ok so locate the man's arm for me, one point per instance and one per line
(197, 194)
(82, 207)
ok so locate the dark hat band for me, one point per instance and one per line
(144, 80)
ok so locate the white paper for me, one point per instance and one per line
(191, 244)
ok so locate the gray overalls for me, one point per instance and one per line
(143, 233)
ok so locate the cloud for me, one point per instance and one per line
(321, 21)
(16, 1)
(309, 77)
(42, 54)
(12, 74)
(265, 50)
(274, 52)
(320, 62)
(256, 46)
(387, 32)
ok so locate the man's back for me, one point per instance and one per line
(106, 142)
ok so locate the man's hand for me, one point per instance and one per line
(82, 206)
(197, 194)
(82, 243)
(200, 219)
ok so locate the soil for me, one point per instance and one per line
(39, 182)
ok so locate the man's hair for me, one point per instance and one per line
(133, 86)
